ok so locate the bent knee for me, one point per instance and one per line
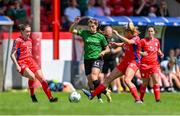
(127, 81)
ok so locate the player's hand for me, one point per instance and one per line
(18, 68)
(144, 53)
(102, 54)
(77, 19)
(115, 32)
(161, 55)
(113, 44)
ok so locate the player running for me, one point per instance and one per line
(22, 57)
(95, 47)
(149, 63)
(129, 64)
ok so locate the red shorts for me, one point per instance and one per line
(28, 63)
(125, 64)
(147, 70)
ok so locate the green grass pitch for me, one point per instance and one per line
(19, 103)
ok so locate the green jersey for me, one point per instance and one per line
(94, 43)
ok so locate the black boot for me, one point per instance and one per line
(53, 99)
(34, 99)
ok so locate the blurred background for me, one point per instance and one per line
(60, 54)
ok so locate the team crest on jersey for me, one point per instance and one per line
(156, 44)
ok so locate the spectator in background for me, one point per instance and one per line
(144, 7)
(103, 9)
(91, 9)
(152, 12)
(177, 54)
(171, 54)
(17, 13)
(82, 6)
(46, 15)
(71, 12)
(163, 10)
(44, 20)
(172, 71)
(3, 7)
(121, 7)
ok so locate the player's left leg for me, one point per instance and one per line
(40, 77)
(156, 86)
(113, 75)
(95, 80)
(129, 74)
(143, 87)
(32, 90)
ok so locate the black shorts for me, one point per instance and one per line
(89, 64)
(108, 65)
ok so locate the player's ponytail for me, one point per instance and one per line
(130, 27)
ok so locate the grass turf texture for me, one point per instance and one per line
(20, 103)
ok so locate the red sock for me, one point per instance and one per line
(156, 88)
(46, 89)
(98, 90)
(31, 86)
(142, 92)
(135, 93)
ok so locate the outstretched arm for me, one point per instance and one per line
(124, 39)
(72, 27)
(114, 44)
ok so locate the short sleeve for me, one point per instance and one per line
(16, 45)
(81, 33)
(142, 42)
(136, 40)
(104, 42)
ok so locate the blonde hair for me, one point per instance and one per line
(130, 27)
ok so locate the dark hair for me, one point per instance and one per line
(93, 21)
(151, 27)
(22, 27)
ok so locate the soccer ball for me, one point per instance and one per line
(74, 97)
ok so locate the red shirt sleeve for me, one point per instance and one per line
(142, 42)
(136, 40)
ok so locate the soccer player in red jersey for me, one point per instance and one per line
(149, 63)
(129, 64)
(22, 57)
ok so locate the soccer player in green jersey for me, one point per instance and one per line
(95, 47)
